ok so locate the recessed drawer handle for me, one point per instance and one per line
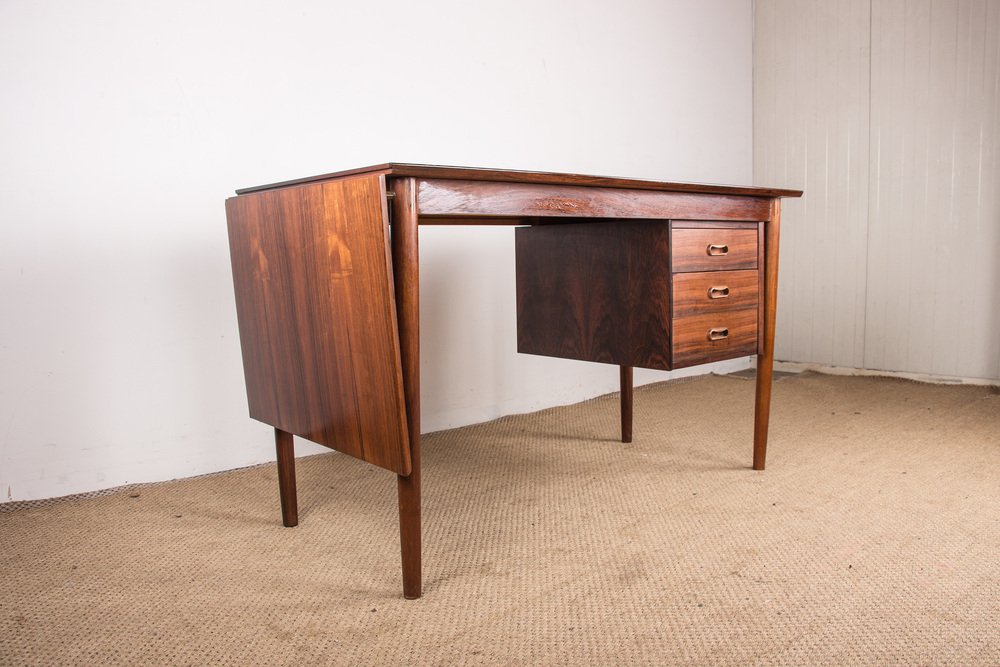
(715, 249)
(718, 292)
(718, 334)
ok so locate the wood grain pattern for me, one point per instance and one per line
(595, 292)
(761, 244)
(328, 301)
(441, 198)
(711, 224)
(714, 292)
(689, 249)
(625, 396)
(285, 449)
(396, 169)
(317, 316)
(691, 343)
(765, 359)
(406, 260)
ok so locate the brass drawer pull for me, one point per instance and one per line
(718, 334)
(716, 250)
(718, 292)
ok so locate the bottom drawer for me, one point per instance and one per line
(699, 339)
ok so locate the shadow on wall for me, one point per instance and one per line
(467, 317)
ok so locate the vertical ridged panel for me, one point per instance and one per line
(934, 249)
(811, 131)
(891, 260)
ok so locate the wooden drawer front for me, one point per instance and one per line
(714, 291)
(713, 249)
(693, 335)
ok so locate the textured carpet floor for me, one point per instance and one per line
(872, 539)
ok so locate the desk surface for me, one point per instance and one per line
(536, 177)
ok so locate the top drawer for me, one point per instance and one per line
(713, 249)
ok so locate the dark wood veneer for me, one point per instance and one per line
(765, 358)
(405, 256)
(625, 398)
(317, 319)
(612, 270)
(611, 293)
(445, 198)
(693, 346)
(595, 292)
(714, 291)
(285, 449)
(518, 176)
(690, 249)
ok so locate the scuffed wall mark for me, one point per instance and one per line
(15, 410)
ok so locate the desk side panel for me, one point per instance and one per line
(595, 292)
(317, 319)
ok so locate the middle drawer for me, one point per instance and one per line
(713, 291)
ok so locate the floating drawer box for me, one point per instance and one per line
(714, 291)
(699, 339)
(607, 293)
(713, 249)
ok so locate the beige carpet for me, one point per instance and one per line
(872, 539)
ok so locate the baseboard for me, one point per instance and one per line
(799, 367)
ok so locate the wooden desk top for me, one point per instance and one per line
(538, 177)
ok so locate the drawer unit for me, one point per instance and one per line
(637, 293)
(713, 249)
(715, 292)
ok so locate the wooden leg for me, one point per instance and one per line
(283, 443)
(406, 275)
(626, 399)
(762, 408)
(765, 360)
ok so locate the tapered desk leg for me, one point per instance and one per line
(626, 399)
(406, 276)
(765, 360)
(283, 443)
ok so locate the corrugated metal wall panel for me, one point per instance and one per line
(934, 248)
(811, 131)
(892, 259)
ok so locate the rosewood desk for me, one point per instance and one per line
(621, 271)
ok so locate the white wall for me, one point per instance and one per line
(125, 125)
(887, 112)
